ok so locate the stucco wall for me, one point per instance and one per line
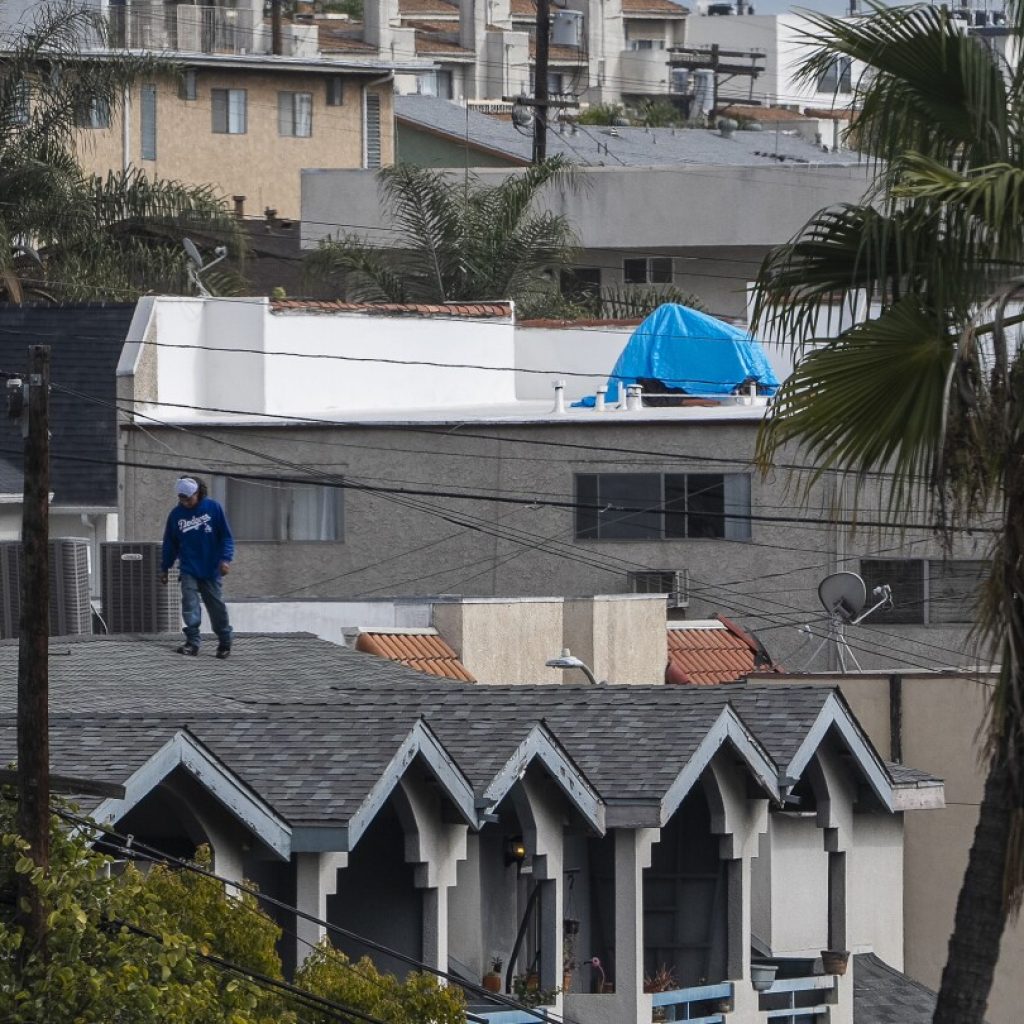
(874, 886)
(621, 638)
(799, 867)
(260, 164)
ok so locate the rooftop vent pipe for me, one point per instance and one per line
(559, 397)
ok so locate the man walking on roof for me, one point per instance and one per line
(198, 537)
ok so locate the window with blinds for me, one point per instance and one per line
(371, 129)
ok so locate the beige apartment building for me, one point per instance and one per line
(248, 125)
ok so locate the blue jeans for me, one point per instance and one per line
(192, 589)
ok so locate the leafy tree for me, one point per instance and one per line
(417, 1000)
(458, 239)
(65, 233)
(930, 388)
(657, 113)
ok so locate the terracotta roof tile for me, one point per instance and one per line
(426, 652)
(830, 114)
(653, 7)
(708, 653)
(428, 7)
(475, 310)
(558, 54)
(763, 115)
(342, 37)
(434, 44)
(524, 9)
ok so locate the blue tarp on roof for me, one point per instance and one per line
(691, 352)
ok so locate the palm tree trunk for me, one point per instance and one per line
(980, 909)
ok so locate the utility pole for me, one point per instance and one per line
(540, 83)
(276, 40)
(33, 633)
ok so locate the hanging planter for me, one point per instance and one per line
(571, 925)
(835, 961)
(762, 976)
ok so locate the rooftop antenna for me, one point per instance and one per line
(843, 595)
(197, 267)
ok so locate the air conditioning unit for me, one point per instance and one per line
(70, 608)
(134, 599)
(675, 583)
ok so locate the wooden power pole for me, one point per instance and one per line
(540, 83)
(33, 632)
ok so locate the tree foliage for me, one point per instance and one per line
(134, 947)
(457, 239)
(928, 386)
(63, 232)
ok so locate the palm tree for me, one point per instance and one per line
(65, 233)
(457, 239)
(930, 388)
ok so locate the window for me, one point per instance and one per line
(188, 87)
(229, 111)
(925, 591)
(837, 77)
(263, 510)
(371, 130)
(295, 114)
(647, 270)
(662, 506)
(647, 44)
(147, 122)
(94, 113)
(582, 285)
(21, 108)
(335, 91)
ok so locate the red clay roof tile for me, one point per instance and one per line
(476, 310)
(666, 7)
(426, 652)
(704, 654)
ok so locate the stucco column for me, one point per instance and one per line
(632, 855)
(316, 878)
(436, 848)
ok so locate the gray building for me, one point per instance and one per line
(353, 465)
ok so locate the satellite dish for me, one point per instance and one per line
(843, 594)
(192, 252)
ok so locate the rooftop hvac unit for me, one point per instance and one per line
(703, 91)
(134, 599)
(675, 583)
(70, 608)
(567, 28)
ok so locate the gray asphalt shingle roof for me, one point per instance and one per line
(634, 147)
(883, 995)
(311, 726)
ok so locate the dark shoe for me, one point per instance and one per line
(223, 652)
(192, 649)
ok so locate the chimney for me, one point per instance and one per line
(239, 202)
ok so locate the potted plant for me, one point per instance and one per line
(492, 979)
(662, 980)
(834, 961)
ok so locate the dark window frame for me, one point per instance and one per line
(220, 111)
(663, 506)
(926, 591)
(234, 492)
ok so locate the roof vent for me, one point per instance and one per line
(674, 583)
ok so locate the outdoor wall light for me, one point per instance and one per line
(515, 850)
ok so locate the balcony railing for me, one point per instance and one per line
(799, 1000)
(704, 1004)
(185, 28)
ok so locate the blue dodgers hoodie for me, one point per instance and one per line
(199, 539)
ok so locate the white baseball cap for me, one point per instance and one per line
(186, 487)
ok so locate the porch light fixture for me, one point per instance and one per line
(515, 850)
(568, 660)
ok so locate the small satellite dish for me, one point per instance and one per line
(843, 594)
(192, 252)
